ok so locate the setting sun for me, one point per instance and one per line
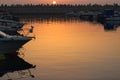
(54, 2)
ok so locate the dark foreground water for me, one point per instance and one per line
(71, 50)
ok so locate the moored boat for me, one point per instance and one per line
(10, 43)
(10, 25)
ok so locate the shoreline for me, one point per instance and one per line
(55, 10)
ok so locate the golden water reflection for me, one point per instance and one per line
(74, 50)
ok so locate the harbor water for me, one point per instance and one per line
(71, 50)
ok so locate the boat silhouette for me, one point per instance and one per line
(11, 43)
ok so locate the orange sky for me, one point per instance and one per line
(59, 1)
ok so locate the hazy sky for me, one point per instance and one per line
(59, 1)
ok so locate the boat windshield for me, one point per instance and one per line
(2, 34)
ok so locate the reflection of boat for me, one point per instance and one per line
(10, 43)
(15, 64)
(110, 26)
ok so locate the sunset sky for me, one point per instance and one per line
(59, 1)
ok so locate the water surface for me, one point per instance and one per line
(73, 50)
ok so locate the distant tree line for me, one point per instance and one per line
(58, 9)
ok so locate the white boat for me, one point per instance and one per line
(10, 25)
(10, 43)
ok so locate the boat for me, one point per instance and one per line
(10, 25)
(10, 43)
(115, 19)
(7, 16)
(109, 16)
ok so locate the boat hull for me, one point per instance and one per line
(11, 46)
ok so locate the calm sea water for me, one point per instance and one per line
(72, 50)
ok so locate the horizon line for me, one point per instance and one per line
(61, 4)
